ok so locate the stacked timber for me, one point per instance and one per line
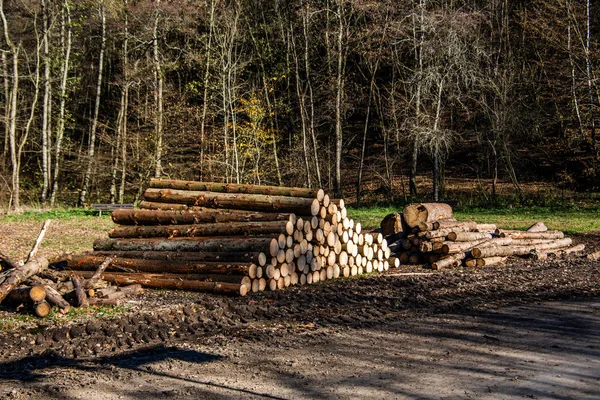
(427, 233)
(233, 238)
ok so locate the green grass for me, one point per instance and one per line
(568, 220)
(55, 213)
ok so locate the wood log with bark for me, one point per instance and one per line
(12, 278)
(319, 194)
(183, 217)
(223, 257)
(496, 251)
(199, 230)
(255, 202)
(416, 214)
(452, 223)
(252, 244)
(91, 263)
(468, 236)
(171, 281)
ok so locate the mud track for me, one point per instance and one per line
(171, 317)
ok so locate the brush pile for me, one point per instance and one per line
(30, 285)
(426, 233)
(233, 238)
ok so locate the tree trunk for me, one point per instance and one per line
(12, 278)
(493, 251)
(91, 149)
(458, 247)
(468, 236)
(197, 230)
(158, 97)
(171, 217)
(256, 202)
(452, 223)
(182, 257)
(186, 244)
(338, 103)
(12, 114)
(46, 106)
(415, 214)
(531, 235)
(26, 295)
(64, 72)
(7, 103)
(91, 263)
(207, 53)
(237, 188)
(303, 114)
(172, 281)
(448, 262)
(52, 295)
(124, 106)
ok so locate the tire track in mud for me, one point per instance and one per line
(346, 303)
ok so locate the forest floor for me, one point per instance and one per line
(524, 329)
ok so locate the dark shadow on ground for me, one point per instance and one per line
(28, 369)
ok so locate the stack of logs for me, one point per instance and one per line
(426, 233)
(31, 285)
(233, 238)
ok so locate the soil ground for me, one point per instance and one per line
(524, 329)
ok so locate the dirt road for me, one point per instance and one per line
(551, 350)
(524, 329)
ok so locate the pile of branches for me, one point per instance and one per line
(427, 233)
(30, 285)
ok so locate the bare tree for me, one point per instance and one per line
(92, 143)
(65, 45)
(158, 95)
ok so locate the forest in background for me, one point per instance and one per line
(98, 96)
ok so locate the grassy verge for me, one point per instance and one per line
(56, 213)
(576, 220)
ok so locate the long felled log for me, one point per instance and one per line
(457, 247)
(91, 262)
(452, 223)
(222, 257)
(467, 236)
(186, 244)
(255, 202)
(173, 217)
(171, 281)
(237, 188)
(12, 278)
(497, 251)
(444, 232)
(538, 235)
(214, 229)
(416, 214)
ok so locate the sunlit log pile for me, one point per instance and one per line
(233, 238)
(427, 233)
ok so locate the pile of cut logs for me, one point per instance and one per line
(233, 238)
(31, 286)
(426, 233)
